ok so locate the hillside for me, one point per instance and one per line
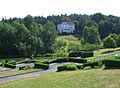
(95, 78)
(71, 39)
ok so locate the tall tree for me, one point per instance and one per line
(91, 35)
(109, 42)
(48, 36)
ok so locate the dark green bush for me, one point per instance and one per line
(28, 60)
(12, 62)
(77, 60)
(41, 65)
(79, 66)
(61, 68)
(22, 68)
(0, 63)
(93, 64)
(75, 54)
(87, 54)
(112, 63)
(9, 65)
(82, 54)
(68, 67)
(69, 60)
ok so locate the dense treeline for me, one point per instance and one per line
(106, 24)
(36, 35)
(24, 37)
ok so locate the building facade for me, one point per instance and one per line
(66, 27)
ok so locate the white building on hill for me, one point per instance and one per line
(66, 27)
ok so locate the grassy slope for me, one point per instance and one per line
(69, 39)
(95, 78)
(4, 74)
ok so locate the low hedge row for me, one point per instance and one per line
(93, 64)
(83, 54)
(112, 64)
(8, 65)
(87, 54)
(75, 54)
(41, 65)
(68, 67)
(69, 60)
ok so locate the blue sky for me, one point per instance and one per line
(21, 8)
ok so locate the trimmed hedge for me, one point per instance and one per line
(112, 63)
(68, 67)
(12, 62)
(82, 54)
(87, 54)
(71, 67)
(93, 64)
(9, 65)
(69, 60)
(41, 65)
(61, 68)
(75, 54)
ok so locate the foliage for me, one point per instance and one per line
(68, 67)
(109, 42)
(93, 64)
(91, 35)
(41, 65)
(9, 65)
(86, 54)
(112, 64)
(76, 60)
(71, 67)
(30, 35)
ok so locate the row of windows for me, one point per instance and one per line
(68, 27)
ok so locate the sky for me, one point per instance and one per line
(21, 8)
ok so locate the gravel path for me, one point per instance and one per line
(53, 68)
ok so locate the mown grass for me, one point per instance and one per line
(4, 68)
(69, 39)
(106, 51)
(4, 74)
(95, 78)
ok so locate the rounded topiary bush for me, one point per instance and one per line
(68, 67)
(71, 67)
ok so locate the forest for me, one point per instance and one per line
(37, 35)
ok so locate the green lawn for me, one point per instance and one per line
(4, 68)
(106, 51)
(94, 78)
(69, 39)
(4, 74)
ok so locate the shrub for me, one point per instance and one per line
(93, 64)
(112, 63)
(9, 65)
(0, 63)
(69, 60)
(12, 62)
(28, 60)
(24, 67)
(61, 68)
(75, 54)
(82, 54)
(79, 66)
(87, 54)
(68, 67)
(41, 65)
(71, 67)
(77, 60)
